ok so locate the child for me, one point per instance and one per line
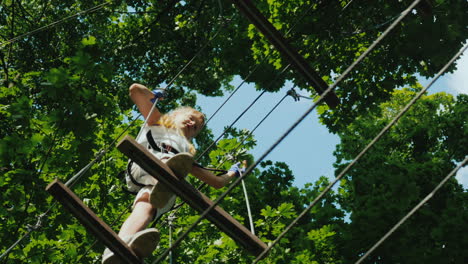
(168, 138)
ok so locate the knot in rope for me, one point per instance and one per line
(291, 92)
(295, 95)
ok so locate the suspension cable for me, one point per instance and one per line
(240, 143)
(242, 114)
(342, 173)
(257, 66)
(345, 73)
(417, 207)
(320, 99)
(74, 179)
(92, 9)
(438, 186)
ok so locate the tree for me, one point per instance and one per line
(398, 172)
(63, 97)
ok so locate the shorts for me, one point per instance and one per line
(143, 177)
(160, 211)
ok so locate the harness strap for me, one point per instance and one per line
(166, 148)
(121, 175)
(129, 173)
(220, 172)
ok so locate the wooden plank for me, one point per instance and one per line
(93, 223)
(191, 196)
(282, 45)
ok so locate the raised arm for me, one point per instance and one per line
(211, 179)
(142, 96)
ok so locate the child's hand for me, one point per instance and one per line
(158, 94)
(237, 169)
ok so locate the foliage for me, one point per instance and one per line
(63, 97)
(398, 172)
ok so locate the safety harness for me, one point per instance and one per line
(164, 148)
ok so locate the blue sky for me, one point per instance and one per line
(308, 150)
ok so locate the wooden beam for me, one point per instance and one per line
(93, 223)
(282, 45)
(191, 196)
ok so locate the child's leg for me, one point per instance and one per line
(140, 218)
(133, 232)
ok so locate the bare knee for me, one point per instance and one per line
(142, 203)
(143, 198)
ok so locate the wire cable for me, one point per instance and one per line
(438, 186)
(242, 114)
(240, 144)
(177, 242)
(320, 99)
(247, 203)
(295, 23)
(92, 9)
(419, 205)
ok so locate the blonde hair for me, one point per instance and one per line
(167, 120)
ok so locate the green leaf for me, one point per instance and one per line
(88, 41)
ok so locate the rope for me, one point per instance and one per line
(247, 203)
(321, 98)
(92, 9)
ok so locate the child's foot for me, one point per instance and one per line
(181, 164)
(108, 257)
(142, 243)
